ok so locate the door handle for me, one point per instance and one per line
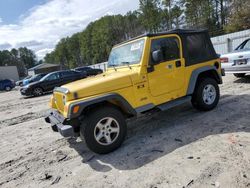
(178, 63)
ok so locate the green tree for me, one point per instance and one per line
(150, 15)
(23, 58)
(239, 17)
(27, 56)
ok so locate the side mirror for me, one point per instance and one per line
(157, 56)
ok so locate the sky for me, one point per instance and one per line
(40, 24)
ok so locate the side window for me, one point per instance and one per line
(53, 77)
(170, 48)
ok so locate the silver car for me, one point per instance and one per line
(238, 61)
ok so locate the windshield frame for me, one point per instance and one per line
(126, 64)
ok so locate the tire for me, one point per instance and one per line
(7, 88)
(239, 75)
(37, 91)
(206, 95)
(101, 126)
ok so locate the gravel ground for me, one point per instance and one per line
(180, 147)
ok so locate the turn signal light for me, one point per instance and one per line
(224, 60)
(65, 108)
(76, 109)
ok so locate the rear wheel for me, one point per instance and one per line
(104, 130)
(206, 95)
(38, 91)
(239, 75)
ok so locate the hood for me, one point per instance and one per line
(99, 84)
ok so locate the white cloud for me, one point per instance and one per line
(1, 20)
(44, 25)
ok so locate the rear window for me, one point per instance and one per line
(244, 45)
(83, 69)
(198, 48)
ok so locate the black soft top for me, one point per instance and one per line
(175, 31)
(196, 43)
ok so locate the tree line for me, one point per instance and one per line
(22, 58)
(93, 44)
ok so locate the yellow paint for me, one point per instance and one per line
(134, 84)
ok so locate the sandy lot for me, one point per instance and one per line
(177, 148)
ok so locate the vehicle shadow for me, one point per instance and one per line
(32, 96)
(245, 79)
(160, 134)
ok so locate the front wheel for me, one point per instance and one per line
(38, 91)
(104, 129)
(206, 95)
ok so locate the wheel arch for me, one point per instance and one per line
(197, 74)
(112, 99)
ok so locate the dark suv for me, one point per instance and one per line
(50, 81)
(7, 85)
(89, 71)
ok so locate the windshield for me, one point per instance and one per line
(51, 76)
(127, 54)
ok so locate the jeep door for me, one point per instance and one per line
(167, 76)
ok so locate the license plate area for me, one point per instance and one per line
(240, 62)
(58, 117)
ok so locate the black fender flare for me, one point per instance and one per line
(195, 74)
(95, 100)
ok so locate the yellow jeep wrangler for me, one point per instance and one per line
(149, 72)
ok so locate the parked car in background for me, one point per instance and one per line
(50, 81)
(7, 84)
(89, 71)
(238, 61)
(20, 82)
(34, 78)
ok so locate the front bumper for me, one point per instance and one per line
(26, 91)
(59, 124)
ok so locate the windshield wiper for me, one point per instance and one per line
(113, 65)
(126, 63)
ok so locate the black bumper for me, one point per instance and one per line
(59, 124)
(223, 72)
(26, 92)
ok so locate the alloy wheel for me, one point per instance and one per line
(106, 131)
(209, 94)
